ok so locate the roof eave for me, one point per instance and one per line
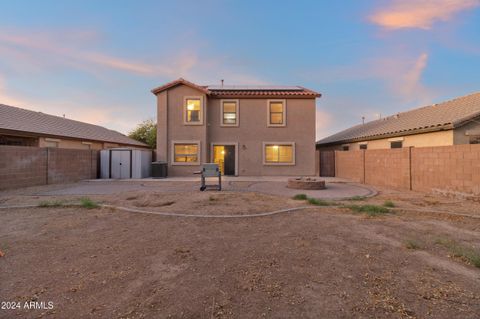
(42, 134)
(389, 135)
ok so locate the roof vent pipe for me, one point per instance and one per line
(221, 81)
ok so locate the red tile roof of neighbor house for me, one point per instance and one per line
(21, 120)
(443, 116)
(243, 90)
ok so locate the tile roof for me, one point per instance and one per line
(178, 82)
(17, 119)
(446, 115)
(243, 90)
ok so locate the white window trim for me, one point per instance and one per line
(172, 158)
(227, 143)
(279, 144)
(284, 113)
(185, 98)
(237, 111)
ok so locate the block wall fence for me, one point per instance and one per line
(22, 166)
(445, 169)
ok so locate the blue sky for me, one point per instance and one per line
(96, 61)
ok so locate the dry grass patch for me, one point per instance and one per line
(467, 254)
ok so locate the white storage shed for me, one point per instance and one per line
(121, 163)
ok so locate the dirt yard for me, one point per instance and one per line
(320, 262)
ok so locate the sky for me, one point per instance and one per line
(96, 61)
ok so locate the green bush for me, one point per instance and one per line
(355, 198)
(318, 202)
(88, 203)
(388, 203)
(370, 210)
(300, 197)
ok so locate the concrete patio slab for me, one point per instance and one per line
(336, 189)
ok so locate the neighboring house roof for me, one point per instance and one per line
(436, 117)
(17, 119)
(242, 91)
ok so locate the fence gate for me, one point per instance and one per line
(327, 163)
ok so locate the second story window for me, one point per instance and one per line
(229, 113)
(193, 111)
(276, 113)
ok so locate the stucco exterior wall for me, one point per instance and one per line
(462, 134)
(170, 110)
(441, 138)
(253, 131)
(250, 135)
(80, 144)
(71, 144)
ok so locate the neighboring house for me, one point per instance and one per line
(29, 128)
(448, 123)
(247, 130)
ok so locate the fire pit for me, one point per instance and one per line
(306, 183)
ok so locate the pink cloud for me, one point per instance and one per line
(403, 76)
(420, 14)
(48, 48)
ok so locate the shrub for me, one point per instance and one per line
(388, 203)
(88, 203)
(318, 202)
(300, 197)
(370, 210)
(412, 244)
(47, 203)
(355, 198)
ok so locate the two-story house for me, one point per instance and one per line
(247, 130)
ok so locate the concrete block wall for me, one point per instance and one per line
(451, 169)
(69, 165)
(350, 165)
(446, 169)
(22, 166)
(389, 168)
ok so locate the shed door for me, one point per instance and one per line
(121, 166)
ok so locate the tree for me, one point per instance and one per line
(146, 132)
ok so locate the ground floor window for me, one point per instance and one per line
(363, 146)
(279, 153)
(186, 152)
(396, 144)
